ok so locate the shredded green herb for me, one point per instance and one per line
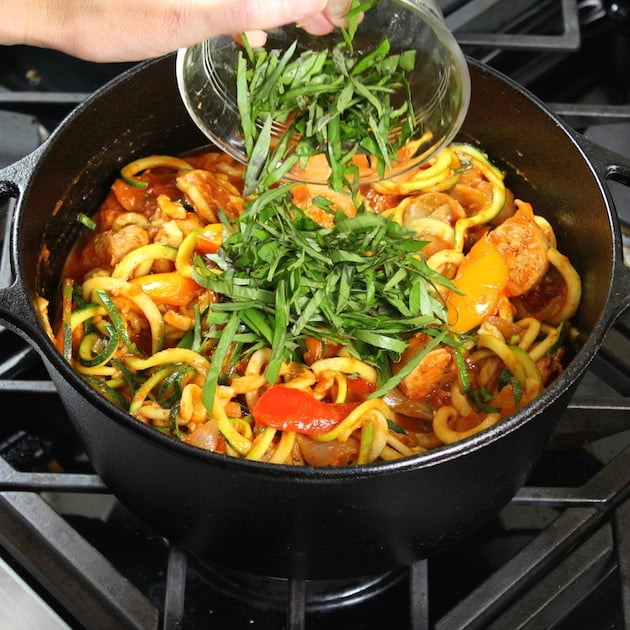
(362, 283)
(88, 222)
(331, 102)
(281, 276)
(482, 398)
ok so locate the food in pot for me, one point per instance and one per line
(308, 326)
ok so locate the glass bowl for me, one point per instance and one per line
(439, 83)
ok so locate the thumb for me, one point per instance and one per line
(336, 11)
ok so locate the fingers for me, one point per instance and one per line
(336, 11)
(332, 17)
(253, 15)
(317, 25)
(316, 20)
(133, 30)
(254, 38)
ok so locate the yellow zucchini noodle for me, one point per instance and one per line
(146, 315)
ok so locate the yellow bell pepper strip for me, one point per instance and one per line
(479, 283)
(168, 288)
(129, 172)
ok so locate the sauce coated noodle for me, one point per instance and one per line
(142, 326)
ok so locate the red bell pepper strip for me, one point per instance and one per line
(358, 389)
(289, 409)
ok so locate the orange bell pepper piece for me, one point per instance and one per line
(210, 238)
(168, 288)
(481, 278)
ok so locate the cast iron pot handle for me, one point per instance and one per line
(612, 166)
(16, 310)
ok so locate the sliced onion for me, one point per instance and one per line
(205, 436)
(399, 403)
(333, 453)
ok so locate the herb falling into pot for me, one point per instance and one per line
(350, 109)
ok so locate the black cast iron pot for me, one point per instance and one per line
(306, 522)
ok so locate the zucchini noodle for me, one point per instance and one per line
(292, 331)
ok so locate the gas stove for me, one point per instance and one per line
(71, 556)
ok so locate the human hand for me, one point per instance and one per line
(133, 30)
(320, 23)
(330, 18)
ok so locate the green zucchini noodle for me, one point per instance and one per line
(306, 326)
